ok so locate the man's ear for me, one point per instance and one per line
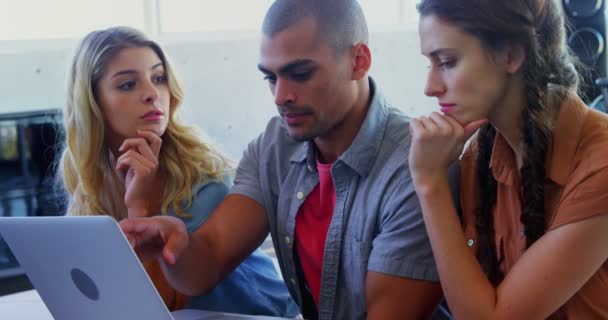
(515, 58)
(362, 60)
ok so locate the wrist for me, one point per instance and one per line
(429, 185)
(138, 212)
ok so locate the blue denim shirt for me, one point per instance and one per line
(377, 223)
(254, 287)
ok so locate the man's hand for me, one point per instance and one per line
(158, 236)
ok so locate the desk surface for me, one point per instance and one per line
(29, 305)
(24, 305)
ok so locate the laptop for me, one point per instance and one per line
(84, 268)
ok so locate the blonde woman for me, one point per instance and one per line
(128, 155)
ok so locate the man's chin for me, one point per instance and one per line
(300, 136)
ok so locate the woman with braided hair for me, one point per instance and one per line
(532, 242)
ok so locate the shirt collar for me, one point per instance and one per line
(362, 152)
(502, 161)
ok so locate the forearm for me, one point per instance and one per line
(196, 271)
(384, 297)
(467, 290)
(213, 250)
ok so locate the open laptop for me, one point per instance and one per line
(84, 268)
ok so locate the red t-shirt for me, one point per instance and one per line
(312, 223)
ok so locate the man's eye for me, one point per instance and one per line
(270, 78)
(447, 64)
(302, 76)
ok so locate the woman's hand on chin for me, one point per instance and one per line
(138, 164)
(437, 141)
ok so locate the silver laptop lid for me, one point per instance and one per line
(83, 268)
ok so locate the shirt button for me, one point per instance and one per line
(293, 281)
(310, 168)
(288, 240)
(470, 242)
(300, 195)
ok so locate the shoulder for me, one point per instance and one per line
(206, 197)
(391, 166)
(395, 143)
(594, 138)
(586, 179)
(390, 173)
(211, 189)
(397, 127)
(588, 156)
(585, 193)
(381, 155)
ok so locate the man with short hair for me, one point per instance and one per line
(329, 180)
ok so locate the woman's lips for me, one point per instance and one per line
(152, 116)
(446, 107)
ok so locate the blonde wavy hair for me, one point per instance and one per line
(86, 166)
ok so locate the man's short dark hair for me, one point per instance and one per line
(340, 23)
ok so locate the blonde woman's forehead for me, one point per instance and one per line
(141, 59)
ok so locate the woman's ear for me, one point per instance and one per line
(515, 58)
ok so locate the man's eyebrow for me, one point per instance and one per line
(287, 68)
(294, 65)
(264, 70)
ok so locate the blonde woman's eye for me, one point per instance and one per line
(161, 79)
(127, 86)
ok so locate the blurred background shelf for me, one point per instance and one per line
(29, 146)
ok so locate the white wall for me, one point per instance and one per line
(225, 93)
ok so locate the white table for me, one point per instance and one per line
(24, 305)
(28, 305)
